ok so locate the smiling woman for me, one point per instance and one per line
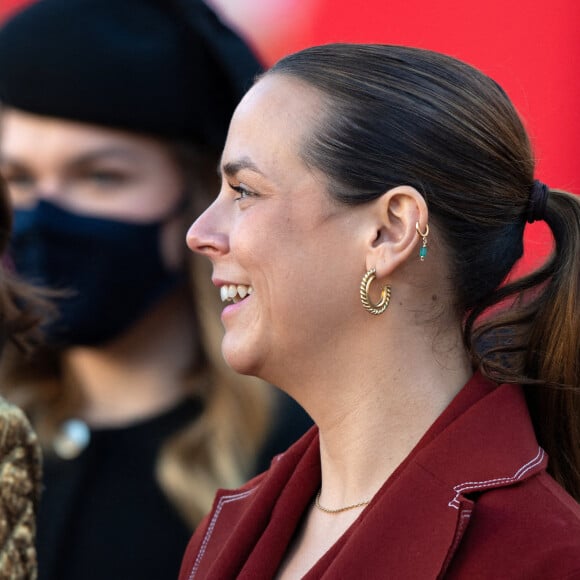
(432, 378)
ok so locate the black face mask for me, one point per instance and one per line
(112, 271)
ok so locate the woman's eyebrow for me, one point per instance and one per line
(231, 168)
(105, 153)
(6, 160)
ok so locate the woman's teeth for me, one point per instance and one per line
(234, 293)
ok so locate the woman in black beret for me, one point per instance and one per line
(113, 117)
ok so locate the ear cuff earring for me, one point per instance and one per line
(423, 248)
(365, 285)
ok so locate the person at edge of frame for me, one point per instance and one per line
(22, 309)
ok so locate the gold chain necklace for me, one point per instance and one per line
(339, 510)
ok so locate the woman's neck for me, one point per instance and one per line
(372, 413)
(141, 373)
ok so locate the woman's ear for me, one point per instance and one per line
(395, 238)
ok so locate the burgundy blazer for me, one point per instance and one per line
(472, 501)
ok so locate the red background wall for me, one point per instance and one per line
(531, 48)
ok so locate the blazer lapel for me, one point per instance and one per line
(416, 522)
(250, 528)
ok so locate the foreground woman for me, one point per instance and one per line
(373, 203)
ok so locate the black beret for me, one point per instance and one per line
(169, 68)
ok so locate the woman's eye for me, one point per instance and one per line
(19, 180)
(21, 187)
(242, 192)
(105, 178)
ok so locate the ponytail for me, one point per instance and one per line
(536, 342)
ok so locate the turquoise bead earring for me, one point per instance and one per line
(423, 248)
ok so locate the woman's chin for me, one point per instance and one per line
(241, 359)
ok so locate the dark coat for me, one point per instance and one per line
(472, 501)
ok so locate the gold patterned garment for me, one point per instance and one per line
(20, 472)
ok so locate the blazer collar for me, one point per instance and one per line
(413, 526)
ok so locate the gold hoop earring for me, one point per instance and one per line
(365, 285)
(423, 248)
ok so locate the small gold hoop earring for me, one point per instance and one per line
(423, 249)
(365, 285)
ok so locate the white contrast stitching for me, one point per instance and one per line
(519, 473)
(223, 500)
(473, 485)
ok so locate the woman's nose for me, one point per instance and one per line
(206, 236)
(49, 192)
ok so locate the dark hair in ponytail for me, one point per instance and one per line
(541, 346)
(398, 115)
